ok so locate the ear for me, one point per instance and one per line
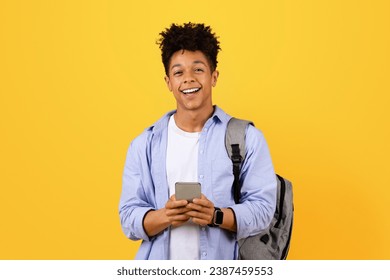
(214, 78)
(168, 82)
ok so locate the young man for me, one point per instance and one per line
(187, 145)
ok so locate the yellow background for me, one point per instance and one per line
(80, 79)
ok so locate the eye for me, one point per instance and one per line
(177, 73)
(199, 70)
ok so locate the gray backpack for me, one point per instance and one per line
(272, 243)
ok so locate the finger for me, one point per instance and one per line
(203, 201)
(176, 211)
(182, 217)
(179, 219)
(196, 207)
(173, 198)
(175, 204)
(199, 215)
(201, 207)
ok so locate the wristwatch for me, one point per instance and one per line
(217, 218)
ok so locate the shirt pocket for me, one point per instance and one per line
(222, 180)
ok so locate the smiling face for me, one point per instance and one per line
(191, 80)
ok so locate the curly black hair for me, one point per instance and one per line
(191, 37)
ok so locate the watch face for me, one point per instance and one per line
(218, 217)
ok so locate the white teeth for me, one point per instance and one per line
(190, 90)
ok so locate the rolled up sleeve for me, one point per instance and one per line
(134, 203)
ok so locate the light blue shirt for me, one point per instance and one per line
(145, 187)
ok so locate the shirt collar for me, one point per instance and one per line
(218, 116)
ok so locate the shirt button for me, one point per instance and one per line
(203, 228)
(201, 152)
(201, 176)
(204, 254)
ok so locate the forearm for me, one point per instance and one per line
(229, 220)
(155, 221)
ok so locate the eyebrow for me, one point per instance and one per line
(195, 62)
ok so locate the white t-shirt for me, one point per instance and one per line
(182, 166)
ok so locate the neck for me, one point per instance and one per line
(192, 121)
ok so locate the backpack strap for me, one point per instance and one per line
(235, 146)
(281, 198)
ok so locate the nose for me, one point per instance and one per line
(188, 78)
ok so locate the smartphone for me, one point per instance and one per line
(187, 190)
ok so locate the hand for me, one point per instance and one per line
(201, 211)
(176, 210)
(173, 214)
